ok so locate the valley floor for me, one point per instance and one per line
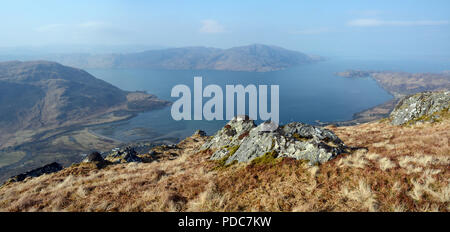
(402, 169)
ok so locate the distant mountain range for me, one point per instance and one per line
(256, 57)
(42, 94)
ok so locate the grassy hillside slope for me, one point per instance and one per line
(405, 168)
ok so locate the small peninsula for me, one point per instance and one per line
(399, 85)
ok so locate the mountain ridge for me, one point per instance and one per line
(250, 58)
(57, 94)
(46, 110)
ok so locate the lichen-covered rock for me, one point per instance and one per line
(295, 140)
(47, 169)
(230, 135)
(421, 107)
(126, 155)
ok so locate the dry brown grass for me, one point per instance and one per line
(404, 169)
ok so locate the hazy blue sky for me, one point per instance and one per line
(350, 28)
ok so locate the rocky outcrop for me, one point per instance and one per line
(421, 107)
(242, 141)
(125, 155)
(47, 169)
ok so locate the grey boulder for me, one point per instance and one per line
(424, 106)
(242, 141)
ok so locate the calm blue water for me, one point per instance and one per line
(307, 93)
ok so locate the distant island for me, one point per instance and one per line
(399, 85)
(251, 58)
(354, 73)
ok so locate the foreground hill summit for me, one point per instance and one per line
(390, 168)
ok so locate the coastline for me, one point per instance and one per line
(371, 114)
(374, 113)
(398, 85)
(63, 145)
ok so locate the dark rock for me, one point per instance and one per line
(94, 157)
(47, 169)
(172, 146)
(230, 132)
(124, 156)
(200, 133)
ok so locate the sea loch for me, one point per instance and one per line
(307, 93)
(213, 109)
